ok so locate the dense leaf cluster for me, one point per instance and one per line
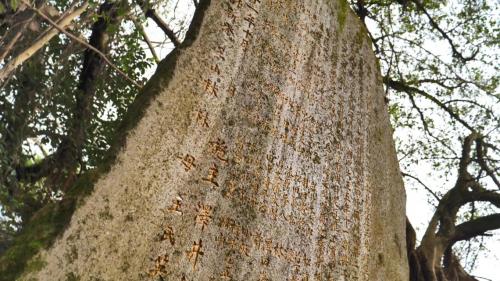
(39, 100)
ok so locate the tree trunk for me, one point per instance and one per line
(265, 154)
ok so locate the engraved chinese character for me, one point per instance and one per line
(228, 29)
(237, 2)
(176, 206)
(219, 148)
(215, 68)
(250, 20)
(231, 188)
(232, 91)
(194, 253)
(211, 87)
(204, 216)
(220, 52)
(230, 14)
(202, 118)
(263, 277)
(248, 33)
(187, 161)
(244, 249)
(168, 234)
(212, 175)
(226, 276)
(229, 261)
(160, 267)
(265, 261)
(252, 8)
(244, 44)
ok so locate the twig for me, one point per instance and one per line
(424, 123)
(146, 38)
(13, 41)
(434, 25)
(26, 54)
(164, 26)
(484, 278)
(151, 13)
(423, 184)
(480, 155)
(403, 86)
(79, 40)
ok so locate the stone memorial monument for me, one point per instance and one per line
(266, 153)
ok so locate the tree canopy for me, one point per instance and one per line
(71, 70)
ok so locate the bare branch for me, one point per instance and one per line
(13, 41)
(403, 86)
(485, 196)
(471, 102)
(466, 158)
(445, 35)
(79, 40)
(26, 54)
(476, 227)
(424, 185)
(452, 200)
(424, 123)
(480, 150)
(151, 13)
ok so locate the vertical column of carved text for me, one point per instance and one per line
(238, 33)
(364, 71)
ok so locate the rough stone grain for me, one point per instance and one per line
(267, 155)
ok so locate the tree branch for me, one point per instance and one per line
(151, 13)
(146, 39)
(485, 196)
(480, 156)
(424, 185)
(37, 45)
(13, 41)
(465, 160)
(476, 227)
(403, 86)
(79, 40)
(435, 25)
(451, 202)
(69, 152)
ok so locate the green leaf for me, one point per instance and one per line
(14, 4)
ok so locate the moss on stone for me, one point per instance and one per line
(71, 276)
(49, 222)
(343, 10)
(35, 264)
(41, 231)
(361, 36)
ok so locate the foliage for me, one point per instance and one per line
(45, 226)
(38, 104)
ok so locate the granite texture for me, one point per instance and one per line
(266, 154)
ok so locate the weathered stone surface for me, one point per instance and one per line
(266, 156)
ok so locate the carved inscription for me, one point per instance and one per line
(204, 216)
(280, 142)
(194, 253)
(188, 162)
